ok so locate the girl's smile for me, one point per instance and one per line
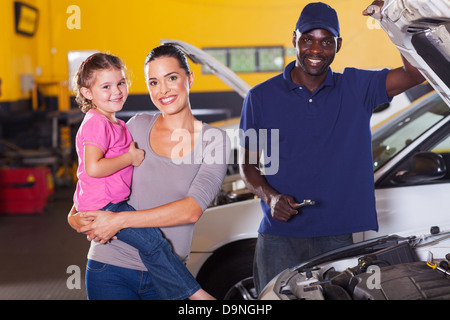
(108, 93)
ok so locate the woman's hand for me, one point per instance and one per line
(103, 226)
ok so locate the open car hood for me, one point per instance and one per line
(223, 72)
(421, 31)
(392, 267)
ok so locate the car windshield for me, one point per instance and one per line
(391, 138)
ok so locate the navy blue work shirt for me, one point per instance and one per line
(324, 147)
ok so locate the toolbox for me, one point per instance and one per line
(25, 190)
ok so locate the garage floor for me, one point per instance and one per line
(36, 252)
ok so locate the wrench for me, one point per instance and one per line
(305, 203)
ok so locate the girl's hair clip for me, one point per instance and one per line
(86, 61)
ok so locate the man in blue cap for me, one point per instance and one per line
(321, 120)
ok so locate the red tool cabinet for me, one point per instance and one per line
(25, 190)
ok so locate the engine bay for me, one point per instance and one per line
(385, 269)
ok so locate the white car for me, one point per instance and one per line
(411, 156)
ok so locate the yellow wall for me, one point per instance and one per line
(17, 54)
(131, 28)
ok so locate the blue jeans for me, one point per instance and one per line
(274, 254)
(166, 271)
(108, 282)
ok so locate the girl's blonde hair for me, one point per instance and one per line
(86, 74)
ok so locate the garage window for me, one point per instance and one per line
(249, 59)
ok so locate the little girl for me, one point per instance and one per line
(106, 156)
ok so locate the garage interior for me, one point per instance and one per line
(39, 251)
(42, 257)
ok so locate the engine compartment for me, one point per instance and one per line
(407, 281)
(385, 270)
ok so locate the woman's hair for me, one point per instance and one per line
(86, 75)
(168, 50)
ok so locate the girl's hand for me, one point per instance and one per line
(76, 221)
(137, 155)
(103, 227)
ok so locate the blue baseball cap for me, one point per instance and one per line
(318, 15)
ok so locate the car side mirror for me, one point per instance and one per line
(423, 166)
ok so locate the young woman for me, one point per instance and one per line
(183, 169)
